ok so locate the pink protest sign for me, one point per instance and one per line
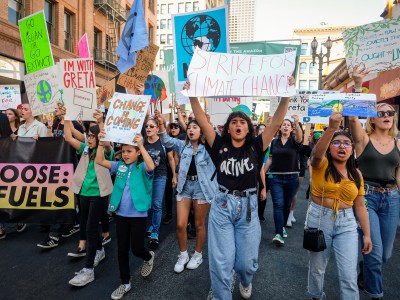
(83, 47)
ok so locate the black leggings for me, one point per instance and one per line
(105, 223)
(92, 209)
(130, 235)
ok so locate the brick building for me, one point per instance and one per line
(67, 21)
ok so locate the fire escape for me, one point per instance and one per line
(115, 15)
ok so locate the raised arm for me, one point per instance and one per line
(322, 146)
(100, 158)
(298, 131)
(68, 135)
(146, 157)
(180, 118)
(98, 115)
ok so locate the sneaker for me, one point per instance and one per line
(106, 240)
(78, 253)
(83, 277)
(293, 219)
(49, 242)
(147, 266)
(70, 231)
(167, 220)
(284, 233)
(289, 222)
(154, 241)
(120, 291)
(100, 255)
(245, 291)
(21, 227)
(2, 234)
(149, 231)
(195, 261)
(278, 240)
(180, 264)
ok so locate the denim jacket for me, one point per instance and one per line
(204, 165)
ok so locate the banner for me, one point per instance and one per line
(79, 85)
(220, 108)
(10, 96)
(170, 66)
(375, 45)
(43, 90)
(357, 104)
(83, 47)
(145, 59)
(105, 93)
(206, 29)
(35, 42)
(221, 74)
(125, 117)
(35, 181)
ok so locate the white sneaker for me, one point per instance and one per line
(245, 291)
(180, 264)
(293, 219)
(120, 292)
(289, 222)
(100, 255)
(195, 261)
(83, 277)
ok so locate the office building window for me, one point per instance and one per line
(181, 7)
(313, 68)
(163, 24)
(151, 34)
(161, 54)
(195, 5)
(151, 5)
(188, 6)
(97, 44)
(170, 8)
(169, 39)
(49, 15)
(163, 9)
(304, 48)
(313, 85)
(163, 39)
(15, 10)
(67, 31)
(303, 67)
(303, 84)
(169, 24)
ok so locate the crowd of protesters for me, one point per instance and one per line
(224, 172)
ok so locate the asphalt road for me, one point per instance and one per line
(28, 272)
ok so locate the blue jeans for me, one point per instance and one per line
(383, 213)
(233, 242)
(159, 184)
(342, 237)
(283, 188)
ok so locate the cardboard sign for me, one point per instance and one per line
(35, 42)
(43, 90)
(361, 105)
(144, 64)
(206, 29)
(225, 75)
(79, 85)
(375, 45)
(125, 117)
(220, 108)
(105, 93)
(10, 96)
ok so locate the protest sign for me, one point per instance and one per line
(36, 178)
(43, 90)
(79, 86)
(105, 93)
(144, 64)
(220, 74)
(170, 67)
(180, 98)
(206, 29)
(10, 96)
(125, 117)
(35, 42)
(357, 104)
(156, 85)
(375, 46)
(83, 47)
(220, 108)
(316, 120)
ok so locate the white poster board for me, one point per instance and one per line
(220, 108)
(10, 96)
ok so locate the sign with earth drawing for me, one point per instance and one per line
(206, 29)
(43, 90)
(156, 85)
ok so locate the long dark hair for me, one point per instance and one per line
(227, 136)
(201, 138)
(351, 165)
(95, 129)
(17, 122)
(279, 130)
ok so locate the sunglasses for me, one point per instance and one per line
(337, 144)
(389, 113)
(150, 126)
(174, 127)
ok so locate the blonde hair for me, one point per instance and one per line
(370, 126)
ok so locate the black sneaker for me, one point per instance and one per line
(49, 242)
(21, 227)
(70, 231)
(167, 220)
(154, 241)
(106, 240)
(78, 253)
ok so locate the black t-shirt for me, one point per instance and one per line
(284, 157)
(159, 155)
(192, 167)
(237, 168)
(58, 128)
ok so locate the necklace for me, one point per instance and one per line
(384, 144)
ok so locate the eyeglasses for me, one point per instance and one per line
(337, 144)
(174, 127)
(91, 136)
(150, 126)
(389, 113)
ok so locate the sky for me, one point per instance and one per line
(276, 19)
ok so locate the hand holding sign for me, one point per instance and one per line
(138, 140)
(98, 115)
(359, 72)
(335, 120)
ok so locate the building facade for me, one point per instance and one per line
(67, 21)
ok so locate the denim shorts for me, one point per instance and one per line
(192, 190)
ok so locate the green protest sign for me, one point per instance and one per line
(170, 66)
(35, 42)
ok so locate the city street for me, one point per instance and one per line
(28, 272)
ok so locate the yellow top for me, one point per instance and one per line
(345, 191)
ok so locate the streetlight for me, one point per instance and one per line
(320, 56)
